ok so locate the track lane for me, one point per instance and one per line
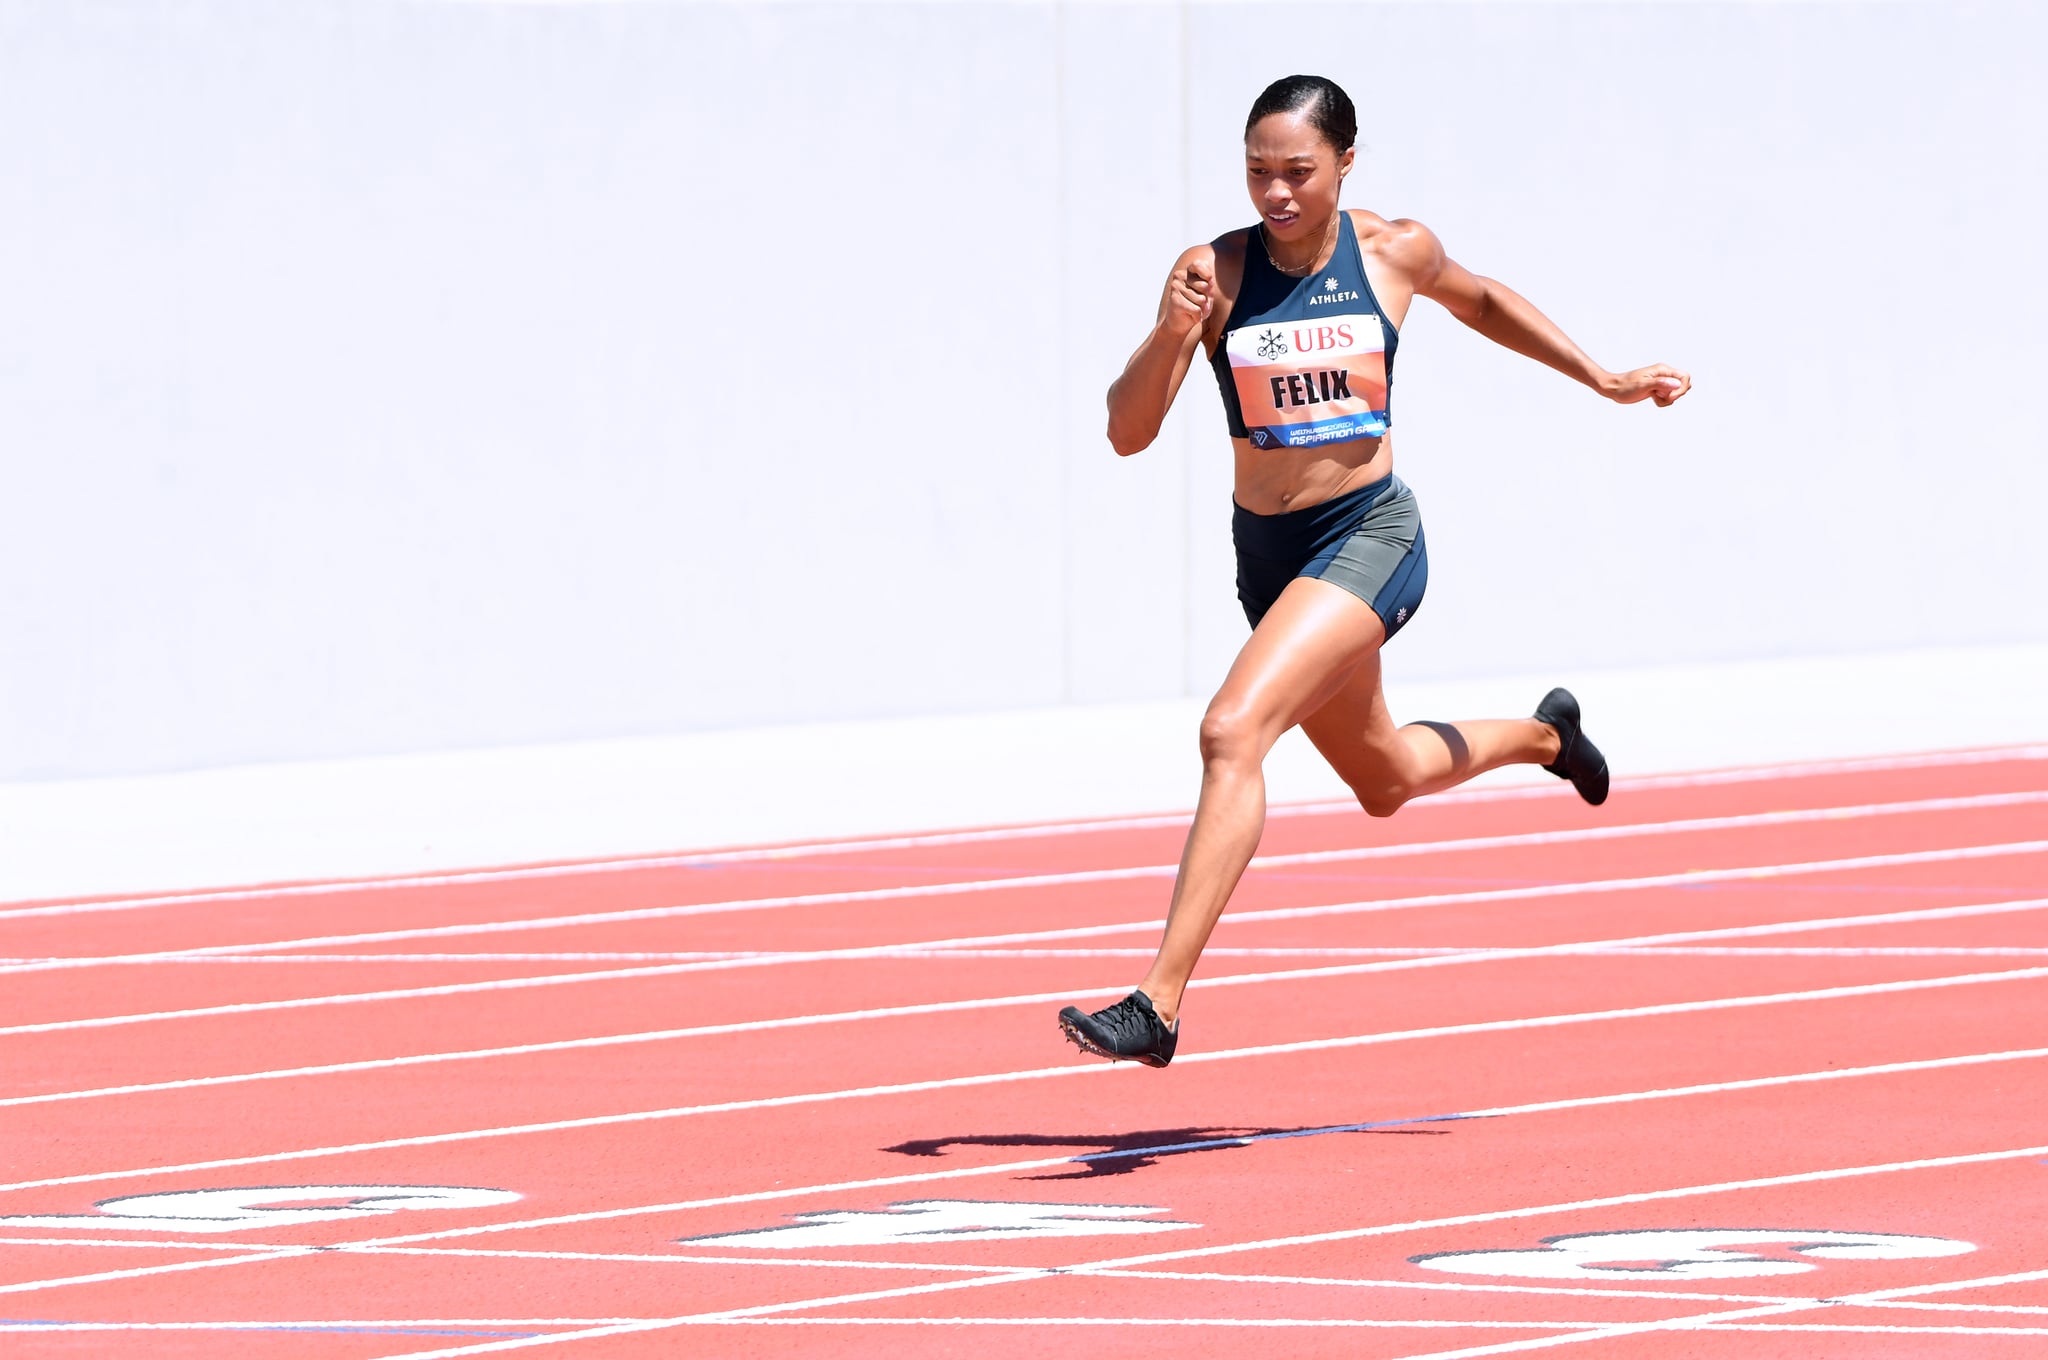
(1278, 885)
(1997, 870)
(624, 1163)
(1464, 811)
(201, 1124)
(985, 1298)
(202, 1045)
(604, 1167)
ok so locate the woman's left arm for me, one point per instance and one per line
(1507, 318)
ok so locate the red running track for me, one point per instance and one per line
(1741, 1065)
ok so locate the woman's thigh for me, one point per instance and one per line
(1308, 649)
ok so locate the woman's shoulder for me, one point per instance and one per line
(1221, 259)
(1229, 246)
(1402, 240)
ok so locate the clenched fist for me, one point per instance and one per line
(1661, 383)
(1189, 297)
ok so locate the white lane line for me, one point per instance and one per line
(1673, 1008)
(1746, 873)
(1122, 1263)
(941, 951)
(951, 1083)
(1536, 1211)
(1194, 1276)
(248, 1256)
(1593, 1291)
(238, 1248)
(948, 1286)
(1835, 952)
(1065, 879)
(665, 1258)
(1417, 1324)
(2022, 1308)
(1871, 1328)
(1757, 873)
(1406, 961)
(1386, 951)
(1053, 1073)
(317, 1325)
(1726, 1321)
(1369, 1324)
(1204, 1277)
(1957, 1286)
(1040, 830)
(361, 998)
(1567, 1292)
(946, 951)
(1045, 1163)
(1989, 951)
(1637, 830)
(565, 956)
(102, 1276)
(928, 1267)
(646, 1258)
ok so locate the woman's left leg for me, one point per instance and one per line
(1386, 766)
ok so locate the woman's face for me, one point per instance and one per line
(1293, 175)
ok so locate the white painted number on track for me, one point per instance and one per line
(261, 1206)
(946, 1220)
(1691, 1253)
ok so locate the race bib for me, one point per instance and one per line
(1301, 383)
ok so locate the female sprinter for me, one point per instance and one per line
(1300, 316)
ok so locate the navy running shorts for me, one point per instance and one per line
(1368, 541)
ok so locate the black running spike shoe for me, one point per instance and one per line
(1578, 759)
(1130, 1029)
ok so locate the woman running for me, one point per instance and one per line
(1300, 315)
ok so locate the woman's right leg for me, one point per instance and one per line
(1305, 650)
(1317, 667)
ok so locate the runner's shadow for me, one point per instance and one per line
(1119, 1154)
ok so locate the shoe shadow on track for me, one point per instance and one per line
(1118, 1154)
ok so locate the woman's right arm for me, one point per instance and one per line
(1140, 398)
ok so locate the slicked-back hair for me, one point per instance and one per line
(1318, 99)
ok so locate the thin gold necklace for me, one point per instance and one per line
(1307, 269)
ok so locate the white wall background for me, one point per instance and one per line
(382, 376)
